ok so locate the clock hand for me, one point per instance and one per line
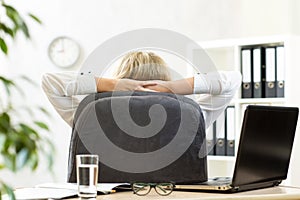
(62, 46)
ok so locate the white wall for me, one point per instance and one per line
(91, 22)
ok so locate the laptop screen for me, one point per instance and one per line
(265, 146)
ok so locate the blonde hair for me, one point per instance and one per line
(143, 66)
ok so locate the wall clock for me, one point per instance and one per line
(64, 51)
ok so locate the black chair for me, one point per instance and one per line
(141, 137)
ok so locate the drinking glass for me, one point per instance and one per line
(87, 175)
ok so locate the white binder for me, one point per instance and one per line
(270, 87)
(246, 72)
(220, 135)
(257, 83)
(230, 131)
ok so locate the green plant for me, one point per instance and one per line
(13, 24)
(21, 140)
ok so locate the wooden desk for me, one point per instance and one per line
(275, 193)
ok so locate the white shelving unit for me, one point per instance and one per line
(226, 56)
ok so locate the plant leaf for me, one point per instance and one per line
(50, 161)
(35, 18)
(9, 160)
(13, 15)
(24, 29)
(9, 191)
(42, 125)
(9, 7)
(19, 23)
(22, 158)
(43, 110)
(19, 89)
(2, 166)
(26, 78)
(7, 30)
(4, 122)
(3, 46)
(34, 161)
(29, 131)
(2, 140)
(7, 84)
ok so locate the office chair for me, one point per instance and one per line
(140, 137)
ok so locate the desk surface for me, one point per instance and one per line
(275, 193)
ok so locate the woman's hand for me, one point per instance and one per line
(182, 86)
(133, 85)
(158, 86)
(106, 85)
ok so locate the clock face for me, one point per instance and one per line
(64, 52)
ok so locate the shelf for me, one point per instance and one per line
(260, 100)
(242, 41)
(221, 158)
(226, 55)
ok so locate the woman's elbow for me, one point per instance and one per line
(231, 82)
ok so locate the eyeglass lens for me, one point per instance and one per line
(164, 189)
(143, 189)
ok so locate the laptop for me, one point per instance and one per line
(264, 151)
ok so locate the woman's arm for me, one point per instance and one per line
(215, 89)
(214, 83)
(62, 90)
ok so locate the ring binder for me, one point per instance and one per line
(270, 89)
(280, 71)
(220, 135)
(230, 130)
(247, 75)
(210, 141)
(257, 88)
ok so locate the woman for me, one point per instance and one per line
(142, 71)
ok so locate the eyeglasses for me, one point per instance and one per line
(143, 189)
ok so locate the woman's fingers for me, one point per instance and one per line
(149, 83)
(143, 89)
(147, 86)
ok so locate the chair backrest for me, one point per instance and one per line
(141, 137)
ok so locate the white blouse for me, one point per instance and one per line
(216, 90)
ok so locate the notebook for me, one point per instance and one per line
(264, 151)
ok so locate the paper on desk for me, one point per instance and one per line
(43, 193)
(58, 190)
(101, 187)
